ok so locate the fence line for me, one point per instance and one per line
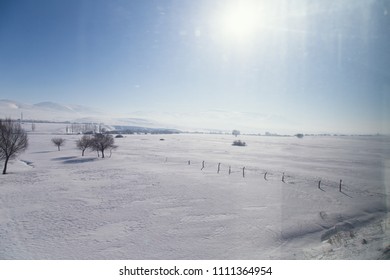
(285, 177)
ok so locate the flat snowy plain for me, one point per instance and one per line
(147, 202)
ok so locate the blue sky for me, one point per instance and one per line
(315, 66)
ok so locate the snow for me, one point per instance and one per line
(147, 202)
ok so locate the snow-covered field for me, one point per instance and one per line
(148, 202)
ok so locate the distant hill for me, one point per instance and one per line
(138, 129)
(49, 111)
(55, 112)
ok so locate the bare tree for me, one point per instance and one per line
(13, 140)
(236, 132)
(84, 143)
(101, 142)
(59, 142)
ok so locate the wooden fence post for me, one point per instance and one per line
(283, 178)
(243, 172)
(265, 175)
(219, 166)
(202, 165)
(230, 170)
(319, 184)
(340, 185)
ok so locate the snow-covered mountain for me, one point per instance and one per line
(12, 105)
(56, 112)
(49, 111)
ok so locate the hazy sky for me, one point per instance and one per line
(315, 66)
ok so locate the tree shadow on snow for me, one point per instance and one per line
(79, 160)
(63, 158)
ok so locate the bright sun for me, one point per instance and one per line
(240, 20)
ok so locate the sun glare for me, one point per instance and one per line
(240, 21)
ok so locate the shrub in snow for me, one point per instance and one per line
(239, 143)
(119, 136)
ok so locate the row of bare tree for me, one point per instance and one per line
(14, 140)
(97, 142)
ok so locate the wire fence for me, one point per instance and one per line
(320, 183)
